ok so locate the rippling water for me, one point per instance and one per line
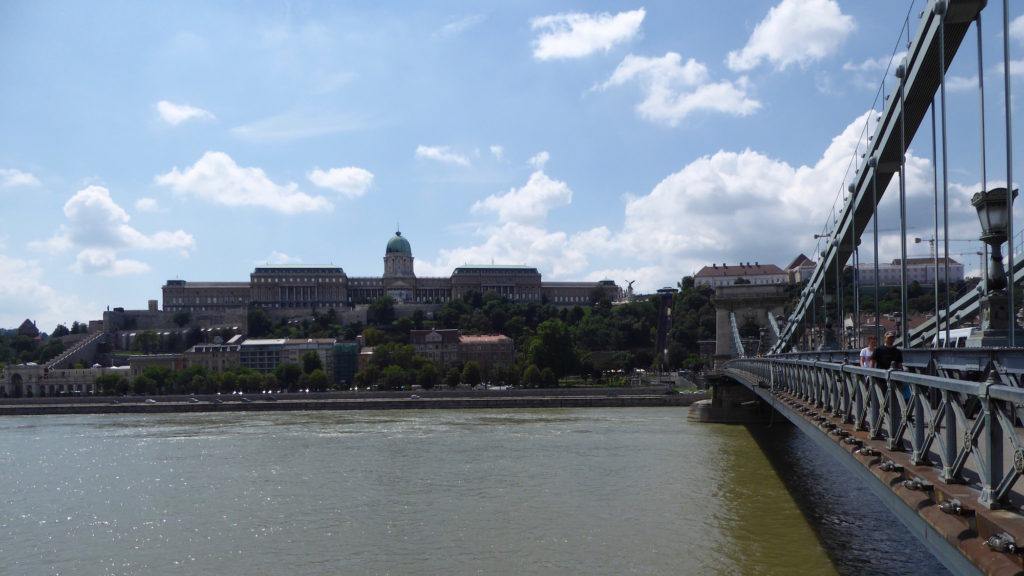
(579, 491)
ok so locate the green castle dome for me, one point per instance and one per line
(399, 245)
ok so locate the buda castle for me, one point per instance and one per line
(304, 287)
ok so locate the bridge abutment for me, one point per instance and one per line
(730, 403)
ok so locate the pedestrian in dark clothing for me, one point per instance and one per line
(888, 355)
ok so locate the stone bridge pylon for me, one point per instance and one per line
(740, 307)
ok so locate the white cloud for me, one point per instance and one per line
(175, 114)
(961, 83)
(279, 258)
(350, 181)
(575, 35)
(23, 294)
(794, 32)
(1017, 28)
(540, 160)
(99, 228)
(218, 179)
(530, 203)
(147, 205)
(106, 263)
(441, 154)
(11, 178)
(558, 254)
(295, 125)
(497, 151)
(724, 207)
(674, 90)
(456, 27)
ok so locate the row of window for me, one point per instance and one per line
(284, 279)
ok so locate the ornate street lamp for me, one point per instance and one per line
(993, 209)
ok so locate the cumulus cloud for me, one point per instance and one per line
(575, 35)
(25, 294)
(218, 179)
(794, 32)
(12, 178)
(147, 205)
(870, 73)
(497, 151)
(558, 254)
(350, 181)
(530, 203)
(539, 160)
(175, 114)
(106, 263)
(99, 228)
(441, 154)
(729, 206)
(674, 90)
(1017, 28)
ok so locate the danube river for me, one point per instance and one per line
(550, 491)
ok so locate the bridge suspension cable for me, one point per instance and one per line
(921, 74)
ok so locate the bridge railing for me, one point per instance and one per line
(967, 430)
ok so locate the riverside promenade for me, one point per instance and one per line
(372, 400)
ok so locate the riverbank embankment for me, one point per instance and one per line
(419, 400)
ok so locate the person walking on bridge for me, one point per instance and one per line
(866, 361)
(888, 355)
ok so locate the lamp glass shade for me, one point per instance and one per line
(993, 212)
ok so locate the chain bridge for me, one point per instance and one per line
(938, 440)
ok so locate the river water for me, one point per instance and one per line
(574, 491)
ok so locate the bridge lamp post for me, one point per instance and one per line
(997, 320)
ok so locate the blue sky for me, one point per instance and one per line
(148, 141)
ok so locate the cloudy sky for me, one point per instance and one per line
(146, 141)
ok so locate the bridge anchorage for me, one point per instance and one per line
(939, 440)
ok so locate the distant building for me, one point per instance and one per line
(139, 363)
(440, 346)
(28, 329)
(920, 270)
(213, 357)
(305, 287)
(726, 275)
(800, 269)
(488, 351)
(261, 355)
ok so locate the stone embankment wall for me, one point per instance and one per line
(504, 399)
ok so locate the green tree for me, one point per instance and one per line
(373, 337)
(394, 377)
(318, 380)
(60, 330)
(146, 342)
(182, 318)
(143, 385)
(531, 376)
(452, 377)
(552, 347)
(382, 311)
(471, 373)
(548, 379)
(311, 361)
(258, 323)
(288, 375)
(428, 376)
(109, 384)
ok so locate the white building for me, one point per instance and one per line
(920, 270)
(726, 275)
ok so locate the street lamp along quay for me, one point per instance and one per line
(993, 209)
